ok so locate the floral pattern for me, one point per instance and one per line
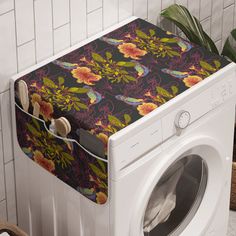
(64, 159)
(84, 75)
(103, 87)
(131, 50)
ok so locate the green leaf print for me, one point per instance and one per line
(152, 32)
(127, 118)
(207, 66)
(115, 121)
(141, 34)
(49, 83)
(97, 171)
(174, 90)
(77, 90)
(33, 130)
(108, 55)
(163, 92)
(97, 57)
(126, 64)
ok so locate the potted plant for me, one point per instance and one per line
(193, 30)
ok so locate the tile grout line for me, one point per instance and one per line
(88, 12)
(22, 44)
(102, 15)
(70, 15)
(4, 170)
(6, 12)
(67, 23)
(35, 43)
(53, 43)
(86, 18)
(119, 12)
(17, 62)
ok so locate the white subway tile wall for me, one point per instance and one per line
(34, 30)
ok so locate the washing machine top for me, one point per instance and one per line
(116, 79)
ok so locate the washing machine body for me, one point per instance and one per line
(181, 185)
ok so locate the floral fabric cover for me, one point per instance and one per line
(102, 87)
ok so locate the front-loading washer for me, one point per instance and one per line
(191, 171)
(167, 173)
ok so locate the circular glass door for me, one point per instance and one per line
(176, 197)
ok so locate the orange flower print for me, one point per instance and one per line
(42, 161)
(84, 75)
(35, 98)
(131, 50)
(191, 80)
(101, 198)
(46, 108)
(145, 108)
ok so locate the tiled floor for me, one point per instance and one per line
(232, 224)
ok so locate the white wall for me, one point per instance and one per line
(32, 30)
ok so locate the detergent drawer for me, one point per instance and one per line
(136, 146)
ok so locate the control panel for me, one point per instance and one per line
(221, 92)
(180, 114)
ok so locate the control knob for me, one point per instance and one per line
(182, 120)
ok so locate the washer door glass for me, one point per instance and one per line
(176, 197)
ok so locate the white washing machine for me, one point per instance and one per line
(190, 171)
(169, 172)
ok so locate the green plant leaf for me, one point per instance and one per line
(77, 90)
(97, 171)
(207, 66)
(229, 49)
(127, 118)
(115, 121)
(49, 83)
(190, 26)
(33, 130)
(163, 92)
(108, 55)
(97, 57)
(141, 34)
(125, 63)
(61, 80)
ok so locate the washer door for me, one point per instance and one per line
(181, 187)
(176, 197)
